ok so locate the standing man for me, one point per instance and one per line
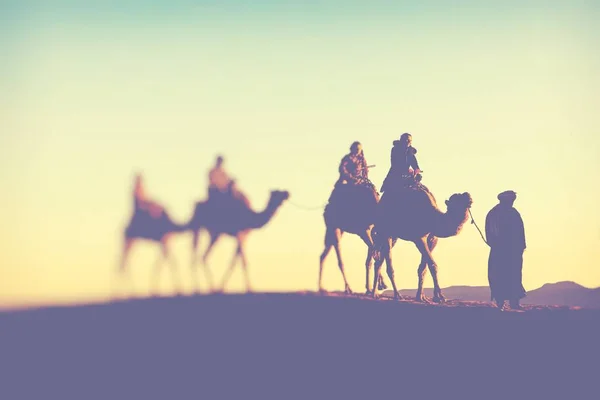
(505, 234)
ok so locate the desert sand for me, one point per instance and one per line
(298, 345)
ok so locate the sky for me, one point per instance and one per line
(497, 96)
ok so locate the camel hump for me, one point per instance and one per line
(242, 199)
(412, 196)
(355, 195)
(351, 204)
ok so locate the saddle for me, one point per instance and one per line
(403, 181)
(364, 190)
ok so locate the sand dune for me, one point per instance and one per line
(564, 293)
(297, 345)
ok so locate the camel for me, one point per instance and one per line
(155, 227)
(352, 210)
(412, 214)
(234, 217)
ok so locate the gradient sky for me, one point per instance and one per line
(498, 95)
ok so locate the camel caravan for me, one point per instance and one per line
(227, 211)
(406, 210)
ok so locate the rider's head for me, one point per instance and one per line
(219, 161)
(507, 197)
(406, 139)
(356, 148)
(139, 179)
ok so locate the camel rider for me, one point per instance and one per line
(140, 201)
(353, 172)
(221, 187)
(404, 166)
(353, 167)
(218, 179)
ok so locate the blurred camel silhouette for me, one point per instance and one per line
(351, 208)
(156, 227)
(231, 216)
(412, 214)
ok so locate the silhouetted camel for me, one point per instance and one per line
(412, 214)
(233, 217)
(351, 209)
(144, 226)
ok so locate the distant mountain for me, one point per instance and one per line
(564, 293)
(560, 294)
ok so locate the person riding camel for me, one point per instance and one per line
(404, 167)
(218, 179)
(140, 201)
(222, 187)
(354, 171)
(353, 167)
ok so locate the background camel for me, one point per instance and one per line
(412, 214)
(155, 227)
(351, 209)
(231, 216)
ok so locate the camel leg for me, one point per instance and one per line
(378, 264)
(329, 242)
(368, 266)
(214, 237)
(390, 268)
(126, 248)
(366, 237)
(127, 244)
(421, 272)
(242, 256)
(423, 247)
(385, 250)
(338, 253)
(174, 268)
(230, 269)
(379, 251)
(194, 270)
(381, 285)
(195, 241)
(324, 254)
(156, 275)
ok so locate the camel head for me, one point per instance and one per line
(278, 197)
(459, 202)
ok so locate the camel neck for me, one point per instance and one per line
(260, 219)
(449, 224)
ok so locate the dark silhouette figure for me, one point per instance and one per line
(221, 187)
(218, 179)
(150, 221)
(351, 208)
(404, 166)
(354, 170)
(412, 214)
(230, 215)
(505, 234)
